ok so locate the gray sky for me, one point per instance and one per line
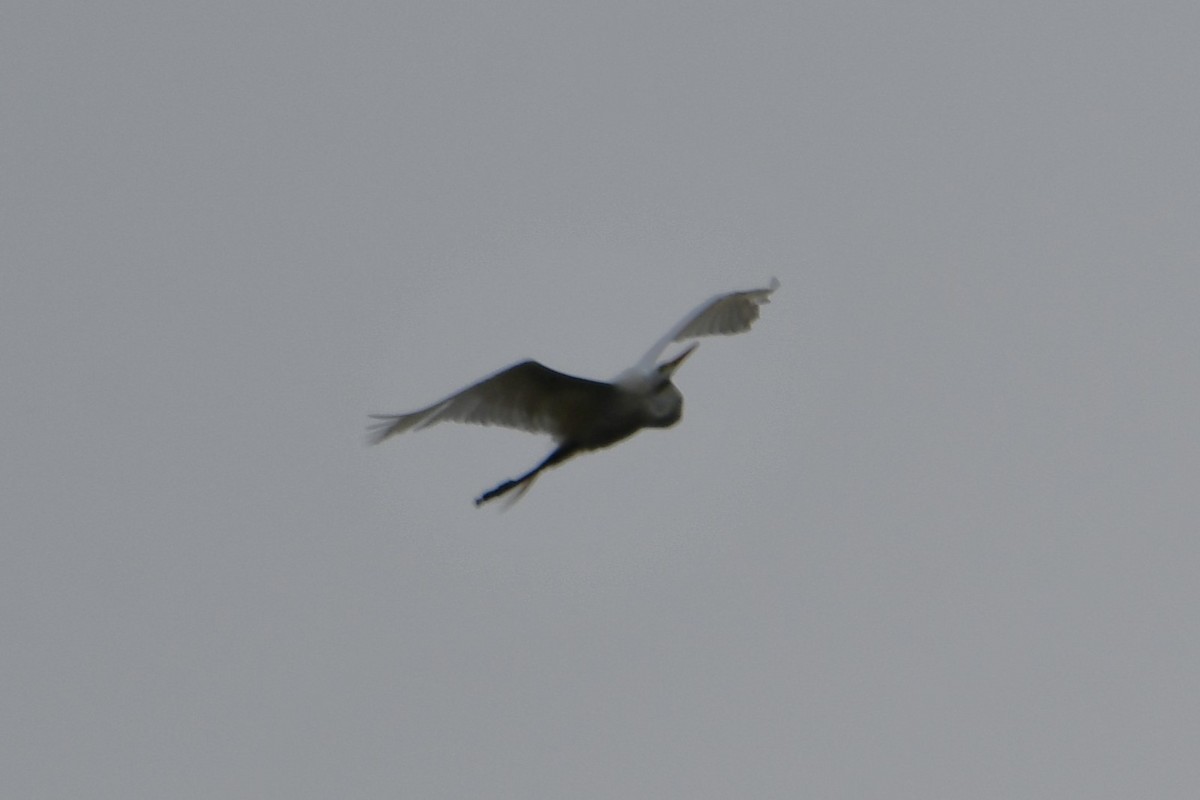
(928, 531)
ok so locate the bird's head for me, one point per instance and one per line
(664, 402)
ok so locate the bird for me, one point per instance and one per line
(581, 414)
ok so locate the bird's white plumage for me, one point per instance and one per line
(724, 314)
(582, 414)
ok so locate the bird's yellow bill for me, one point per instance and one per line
(668, 368)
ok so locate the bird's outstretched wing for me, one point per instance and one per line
(526, 396)
(724, 314)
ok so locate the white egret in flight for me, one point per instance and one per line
(582, 414)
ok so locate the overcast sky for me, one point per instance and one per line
(928, 531)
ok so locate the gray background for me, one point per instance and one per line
(929, 531)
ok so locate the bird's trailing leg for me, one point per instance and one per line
(522, 484)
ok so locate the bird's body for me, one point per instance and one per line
(581, 414)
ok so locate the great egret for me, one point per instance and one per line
(582, 414)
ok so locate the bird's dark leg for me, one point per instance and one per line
(562, 453)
